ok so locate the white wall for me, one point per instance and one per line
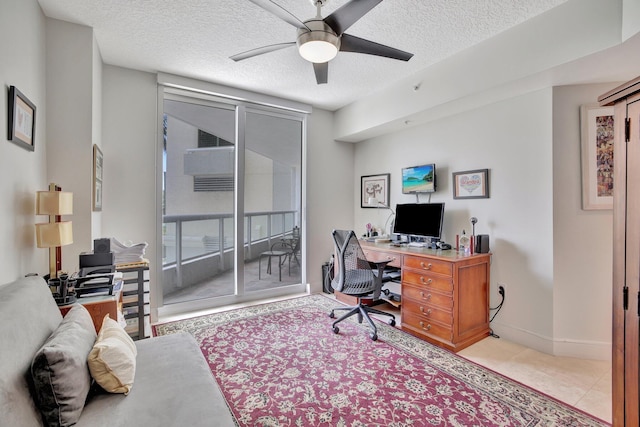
(23, 173)
(129, 146)
(582, 240)
(553, 259)
(330, 192)
(70, 126)
(129, 143)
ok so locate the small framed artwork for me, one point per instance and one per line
(597, 138)
(377, 187)
(97, 178)
(22, 119)
(473, 184)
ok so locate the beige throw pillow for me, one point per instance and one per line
(112, 360)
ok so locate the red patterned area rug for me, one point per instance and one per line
(280, 364)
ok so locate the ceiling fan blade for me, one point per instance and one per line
(260, 50)
(355, 44)
(347, 15)
(280, 12)
(322, 72)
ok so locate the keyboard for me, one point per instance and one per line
(417, 245)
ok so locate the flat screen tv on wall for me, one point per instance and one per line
(419, 179)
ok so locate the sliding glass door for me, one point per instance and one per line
(272, 200)
(232, 202)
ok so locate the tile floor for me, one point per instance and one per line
(582, 383)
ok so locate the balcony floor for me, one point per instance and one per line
(223, 284)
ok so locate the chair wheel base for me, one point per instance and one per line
(392, 322)
(374, 336)
(332, 315)
(336, 329)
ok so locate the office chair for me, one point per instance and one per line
(355, 277)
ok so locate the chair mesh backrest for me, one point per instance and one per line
(354, 276)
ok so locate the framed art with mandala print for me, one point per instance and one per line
(473, 184)
(597, 140)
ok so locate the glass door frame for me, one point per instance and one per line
(242, 107)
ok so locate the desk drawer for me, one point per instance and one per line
(396, 260)
(427, 281)
(427, 312)
(427, 327)
(427, 264)
(425, 296)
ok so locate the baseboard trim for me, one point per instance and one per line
(579, 349)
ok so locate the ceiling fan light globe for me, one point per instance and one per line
(318, 51)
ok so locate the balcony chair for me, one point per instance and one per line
(357, 277)
(280, 250)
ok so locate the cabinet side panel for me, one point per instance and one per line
(473, 299)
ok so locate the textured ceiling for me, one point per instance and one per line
(195, 38)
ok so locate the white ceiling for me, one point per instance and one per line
(194, 38)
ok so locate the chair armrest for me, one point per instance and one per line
(378, 264)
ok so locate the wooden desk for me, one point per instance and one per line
(98, 307)
(445, 294)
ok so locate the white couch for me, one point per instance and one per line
(173, 384)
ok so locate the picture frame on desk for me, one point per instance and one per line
(597, 140)
(374, 186)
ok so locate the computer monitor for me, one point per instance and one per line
(419, 219)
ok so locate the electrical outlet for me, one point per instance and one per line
(501, 290)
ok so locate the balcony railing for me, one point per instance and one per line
(189, 238)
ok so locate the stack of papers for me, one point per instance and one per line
(124, 254)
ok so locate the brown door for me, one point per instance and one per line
(632, 312)
(626, 290)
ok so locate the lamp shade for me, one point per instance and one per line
(54, 234)
(318, 51)
(54, 203)
(317, 42)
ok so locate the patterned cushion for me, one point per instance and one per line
(112, 360)
(59, 369)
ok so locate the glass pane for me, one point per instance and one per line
(273, 193)
(198, 200)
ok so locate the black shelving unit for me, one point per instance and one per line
(140, 276)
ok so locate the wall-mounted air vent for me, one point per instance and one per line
(212, 183)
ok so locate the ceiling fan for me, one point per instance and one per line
(319, 40)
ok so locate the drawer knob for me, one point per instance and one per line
(427, 297)
(426, 328)
(426, 282)
(426, 266)
(428, 312)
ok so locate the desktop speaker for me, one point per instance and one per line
(101, 246)
(482, 244)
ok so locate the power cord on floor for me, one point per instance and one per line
(497, 310)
